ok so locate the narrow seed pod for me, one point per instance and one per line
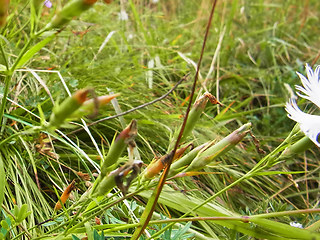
(196, 111)
(126, 173)
(117, 147)
(70, 10)
(89, 106)
(103, 185)
(300, 146)
(4, 6)
(65, 195)
(67, 107)
(178, 154)
(185, 160)
(220, 148)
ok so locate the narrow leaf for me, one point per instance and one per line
(32, 51)
(2, 181)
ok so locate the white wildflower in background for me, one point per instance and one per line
(309, 124)
(123, 16)
(296, 224)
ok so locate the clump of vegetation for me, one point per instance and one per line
(157, 120)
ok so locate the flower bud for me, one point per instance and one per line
(67, 107)
(118, 146)
(208, 155)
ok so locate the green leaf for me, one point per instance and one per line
(5, 225)
(89, 231)
(23, 213)
(51, 223)
(32, 51)
(16, 211)
(97, 236)
(3, 68)
(75, 237)
(181, 232)
(276, 172)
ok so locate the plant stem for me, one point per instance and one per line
(4, 56)
(5, 94)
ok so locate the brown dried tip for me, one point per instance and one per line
(106, 99)
(102, 100)
(129, 132)
(212, 98)
(107, 1)
(181, 151)
(97, 220)
(65, 195)
(84, 176)
(81, 95)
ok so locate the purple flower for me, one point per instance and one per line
(47, 3)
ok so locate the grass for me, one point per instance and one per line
(255, 49)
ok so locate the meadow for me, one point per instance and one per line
(159, 119)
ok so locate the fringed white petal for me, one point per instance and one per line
(309, 124)
(311, 85)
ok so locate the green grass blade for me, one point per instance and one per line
(2, 181)
(32, 51)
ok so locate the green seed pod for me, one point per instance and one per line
(121, 177)
(196, 112)
(220, 148)
(117, 147)
(194, 116)
(67, 107)
(70, 10)
(300, 146)
(185, 160)
(104, 186)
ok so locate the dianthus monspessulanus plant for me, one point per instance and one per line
(309, 124)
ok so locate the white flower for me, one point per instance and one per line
(309, 124)
(296, 224)
(123, 16)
